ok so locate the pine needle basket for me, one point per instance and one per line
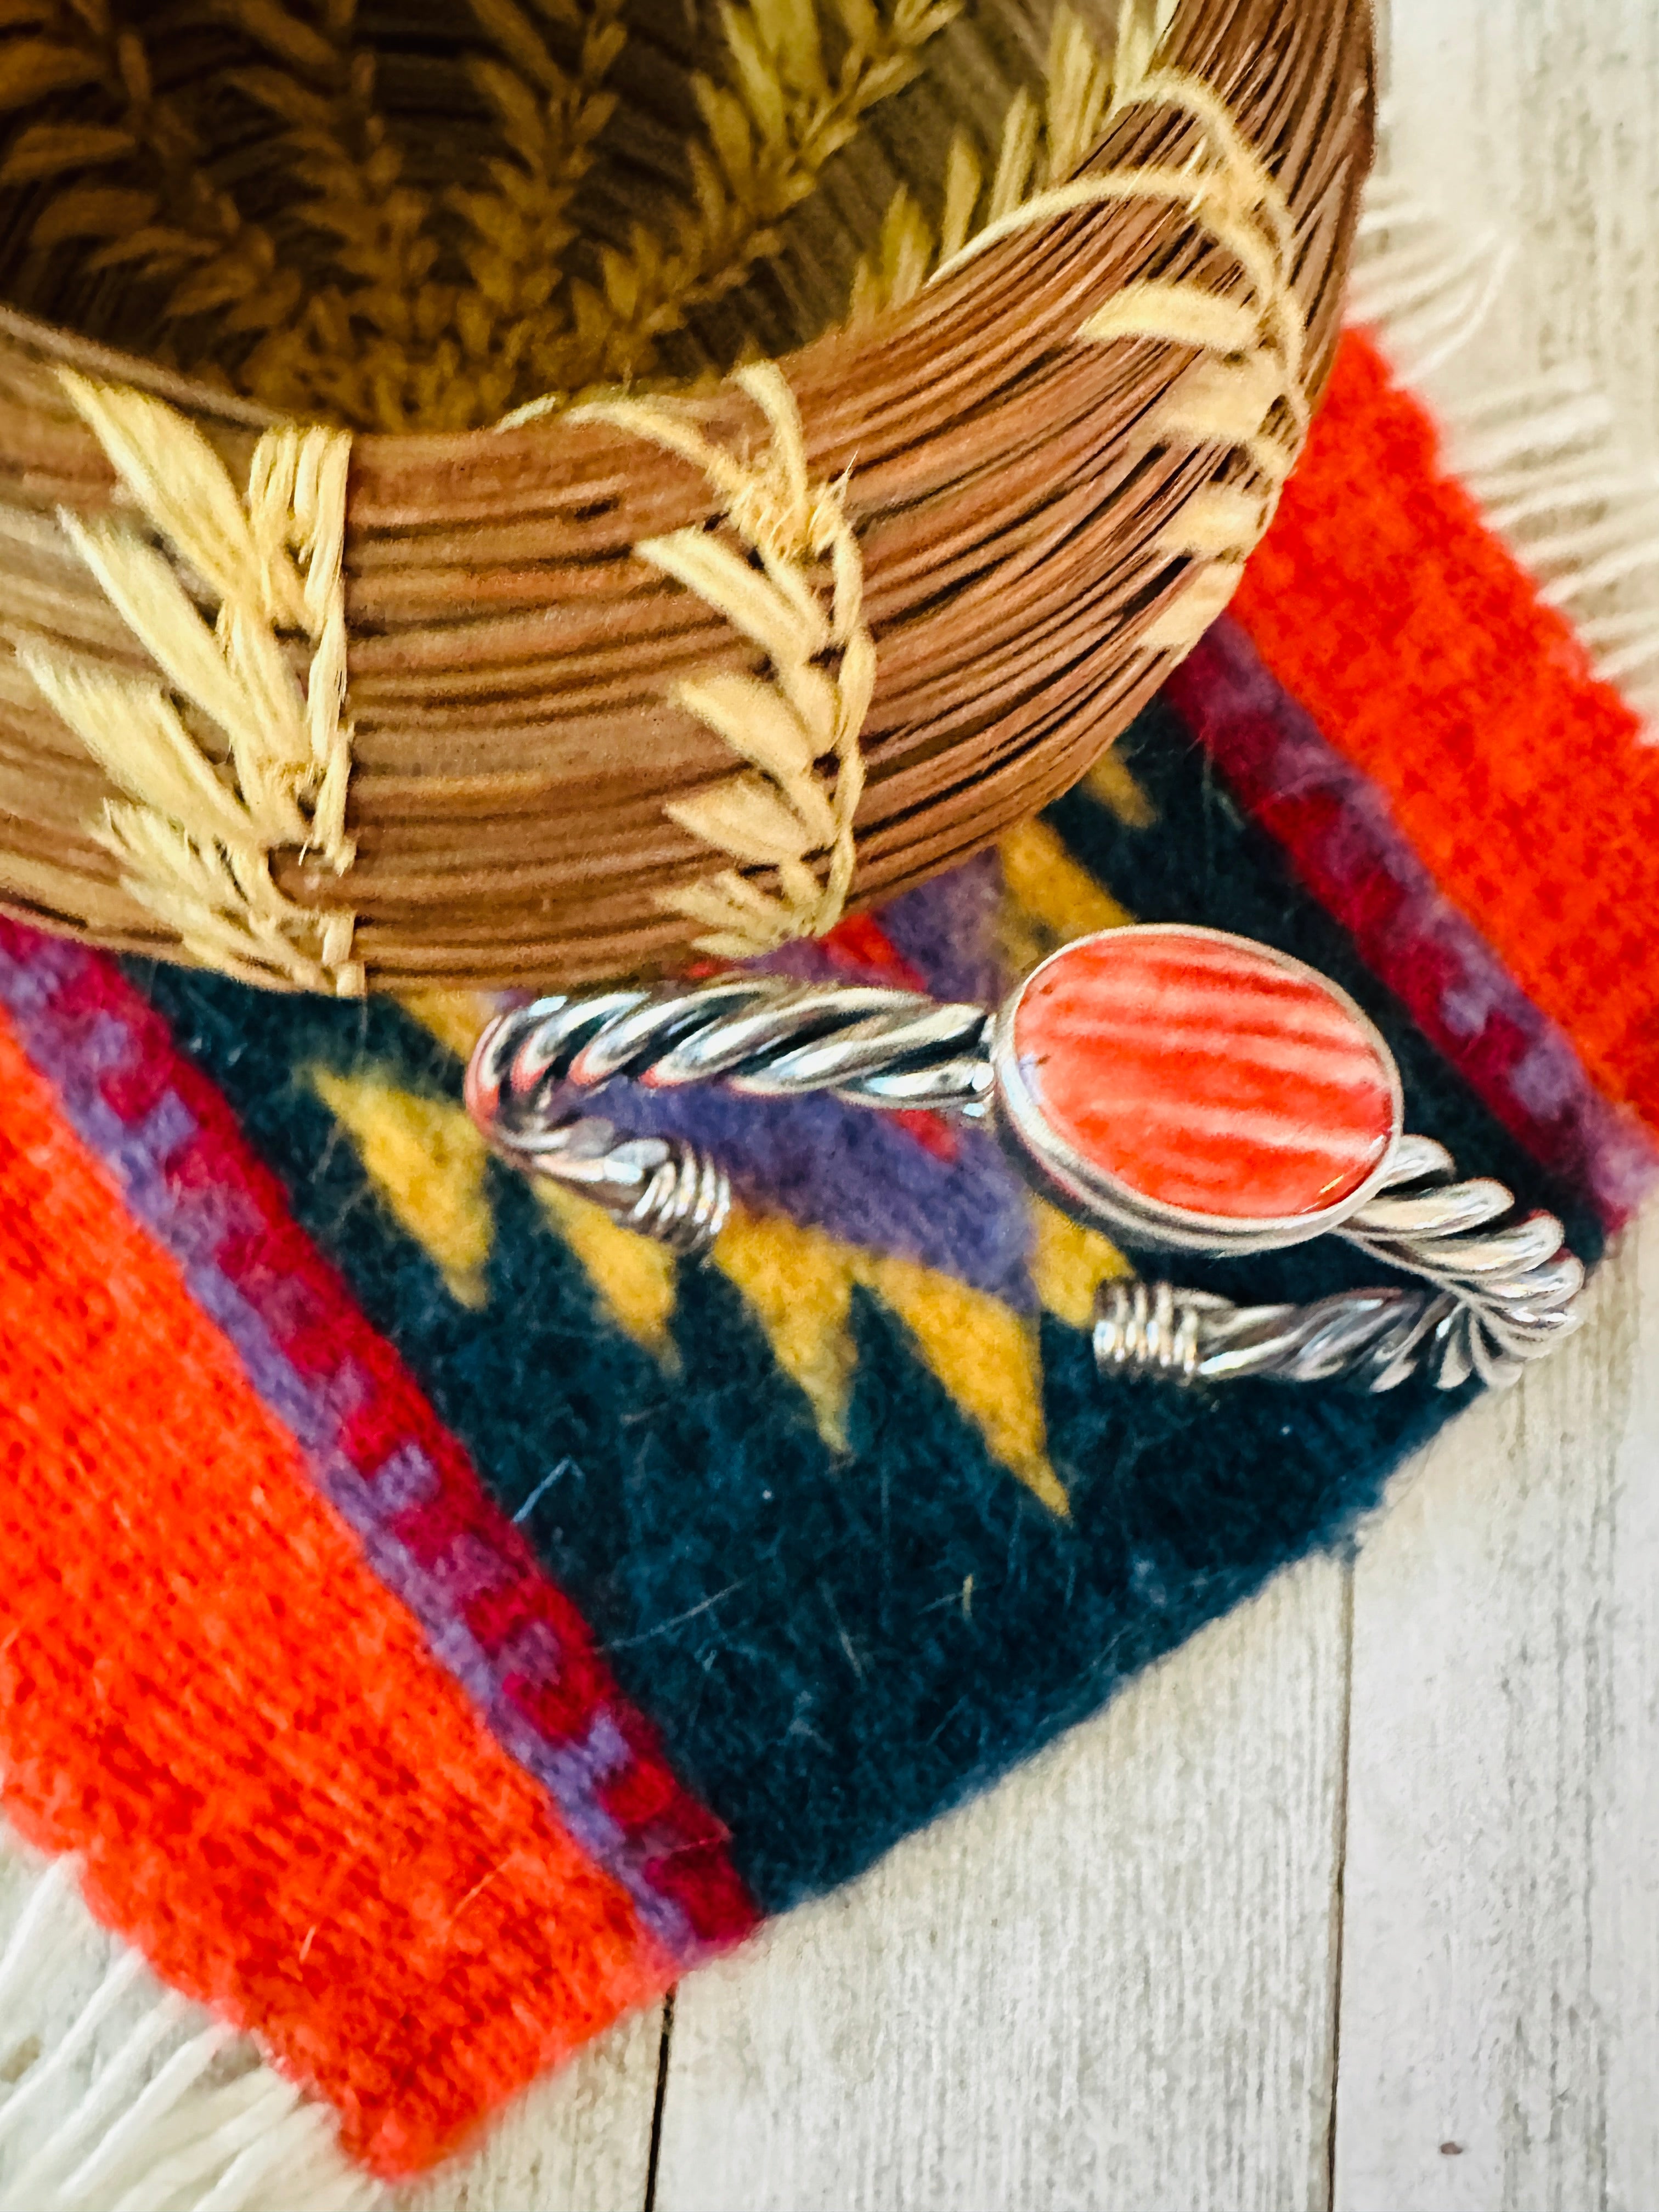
(586, 486)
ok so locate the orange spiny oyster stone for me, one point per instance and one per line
(1203, 1073)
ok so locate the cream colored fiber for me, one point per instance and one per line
(784, 811)
(196, 837)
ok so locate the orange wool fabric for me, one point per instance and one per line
(1425, 653)
(279, 1794)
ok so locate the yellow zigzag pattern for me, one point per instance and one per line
(427, 1162)
(800, 1284)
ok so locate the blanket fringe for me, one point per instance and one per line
(1543, 455)
(135, 2099)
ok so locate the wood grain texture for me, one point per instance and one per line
(1500, 1985)
(1500, 1901)
(1535, 118)
(578, 2141)
(1624, 1872)
(1107, 1984)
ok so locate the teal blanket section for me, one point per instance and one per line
(842, 1631)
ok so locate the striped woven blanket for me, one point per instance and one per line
(434, 1618)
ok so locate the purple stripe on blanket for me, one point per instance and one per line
(864, 1177)
(84, 1029)
(1340, 838)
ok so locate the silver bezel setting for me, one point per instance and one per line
(1091, 1195)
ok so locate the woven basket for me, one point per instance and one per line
(901, 386)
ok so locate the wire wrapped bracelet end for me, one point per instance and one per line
(662, 1186)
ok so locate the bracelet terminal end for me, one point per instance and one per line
(663, 1187)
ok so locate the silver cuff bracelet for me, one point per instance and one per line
(1174, 1087)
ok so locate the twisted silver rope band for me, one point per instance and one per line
(760, 1035)
(757, 1033)
(1494, 1302)
(1496, 1297)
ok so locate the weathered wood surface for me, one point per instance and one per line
(1500, 1891)
(1109, 1982)
(1536, 118)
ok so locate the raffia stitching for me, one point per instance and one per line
(377, 332)
(784, 813)
(194, 840)
(135, 190)
(1248, 393)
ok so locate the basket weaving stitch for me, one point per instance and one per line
(892, 395)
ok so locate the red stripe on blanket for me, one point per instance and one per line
(278, 1794)
(372, 1445)
(1426, 654)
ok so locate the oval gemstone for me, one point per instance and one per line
(1205, 1074)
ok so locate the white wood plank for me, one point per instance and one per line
(1501, 1896)
(1501, 1956)
(1537, 116)
(1108, 1985)
(1625, 1887)
(579, 2141)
